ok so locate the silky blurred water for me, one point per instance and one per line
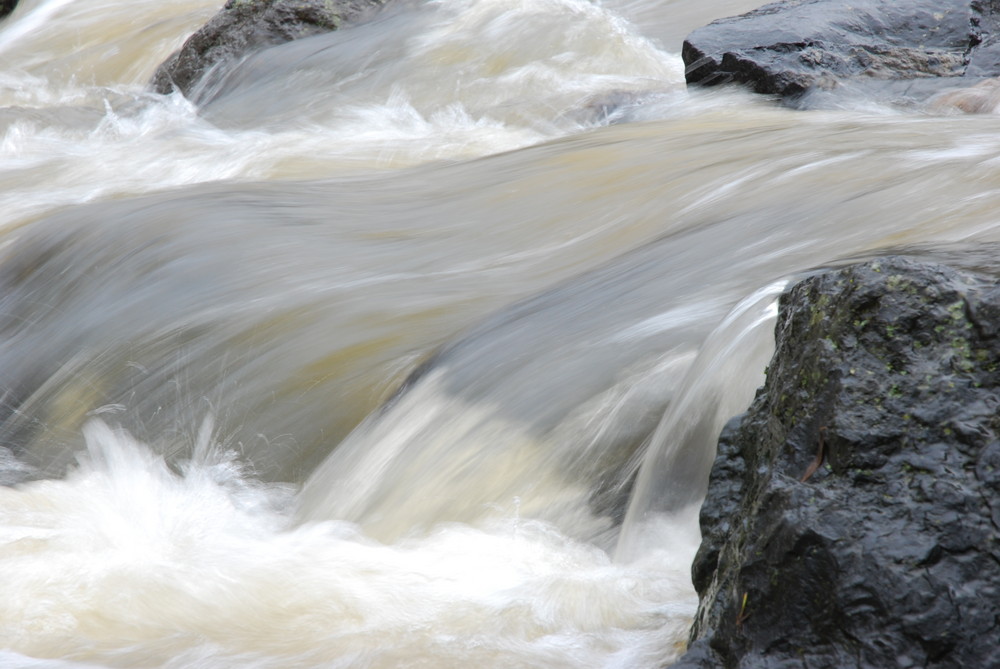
(405, 345)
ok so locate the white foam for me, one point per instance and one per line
(128, 562)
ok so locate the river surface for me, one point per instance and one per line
(406, 345)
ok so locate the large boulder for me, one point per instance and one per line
(245, 26)
(853, 513)
(917, 47)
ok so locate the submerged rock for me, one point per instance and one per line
(981, 98)
(245, 26)
(6, 7)
(853, 513)
(797, 46)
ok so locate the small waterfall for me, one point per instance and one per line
(376, 352)
(718, 385)
(540, 411)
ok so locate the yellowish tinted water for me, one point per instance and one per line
(308, 238)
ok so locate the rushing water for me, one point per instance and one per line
(405, 345)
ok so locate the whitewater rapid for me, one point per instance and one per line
(405, 345)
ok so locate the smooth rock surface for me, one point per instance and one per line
(887, 554)
(798, 46)
(243, 27)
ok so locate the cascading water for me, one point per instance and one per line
(717, 386)
(379, 350)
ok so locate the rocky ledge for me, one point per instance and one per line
(913, 48)
(243, 27)
(853, 513)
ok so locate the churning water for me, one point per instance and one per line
(405, 345)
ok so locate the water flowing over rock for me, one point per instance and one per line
(853, 514)
(912, 49)
(245, 26)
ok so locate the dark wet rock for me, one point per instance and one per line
(243, 27)
(887, 554)
(6, 7)
(799, 46)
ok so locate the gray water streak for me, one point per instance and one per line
(95, 42)
(447, 67)
(167, 308)
(565, 297)
(720, 384)
(237, 308)
(425, 82)
(500, 397)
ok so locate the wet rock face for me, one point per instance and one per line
(245, 26)
(853, 513)
(797, 46)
